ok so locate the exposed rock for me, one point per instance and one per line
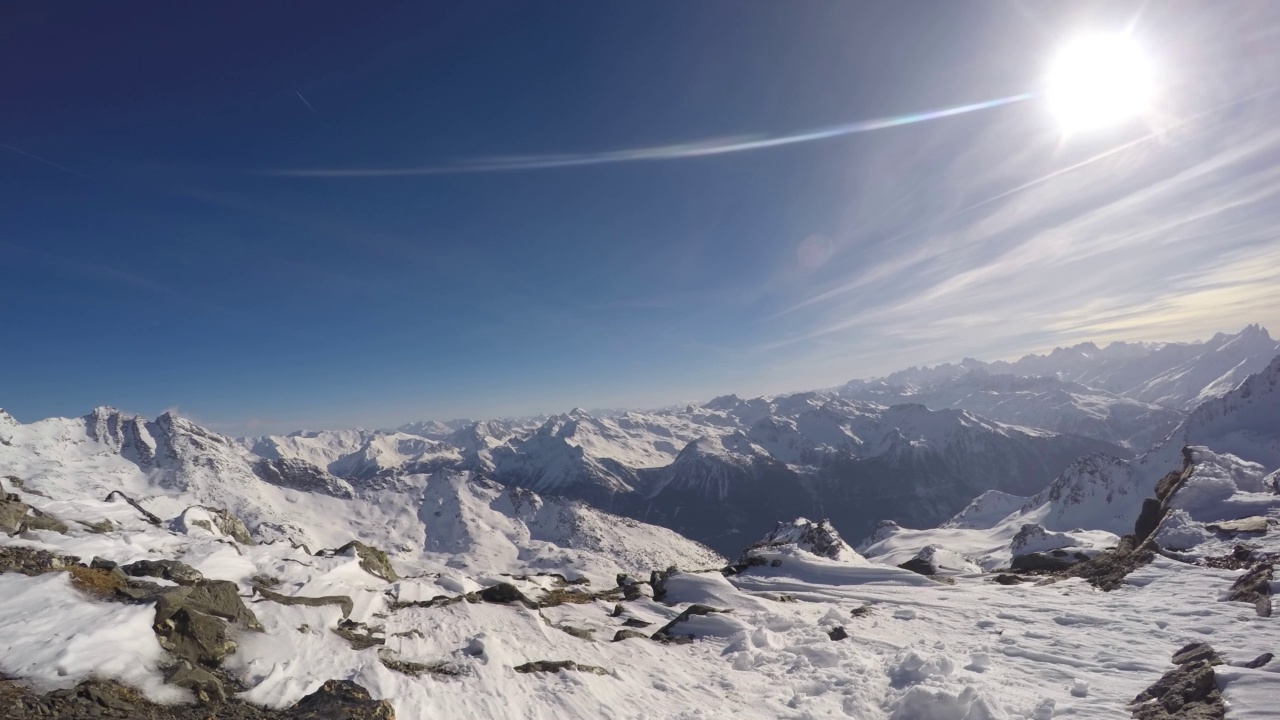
(617, 610)
(416, 669)
(581, 633)
(1041, 562)
(1254, 586)
(636, 622)
(1196, 652)
(556, 666)
(341, 700)
(359, 635)
(1256, 524)
(665, 632)
(861, 611)
(206, 686)
(627, 634)
(191, 621)
(919, 565)
(372, 560)
(30, 561)
(147, 515)
(99, 527)
(838, 633)
(36, 520)
(1187, 693)
(658, 581)
(819, 538)
(1007, 579)
(172, 570)
(1108, 569)
(502, 593)
(301, 475)
(342, 601)
(12, 514)
(1259, 661)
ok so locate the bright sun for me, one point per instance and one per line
(1097, 81)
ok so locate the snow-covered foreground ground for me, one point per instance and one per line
(922, 650)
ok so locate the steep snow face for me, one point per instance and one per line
(1244, 422)
(479, 524)
(987, 510)
(1223, 363)
(1096, 491)
(1106, 492)
(1040, 402)
(1131, 394)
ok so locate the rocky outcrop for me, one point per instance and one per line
(666, 632)
(32, 561)
(172, 570)
(12, 513)
(341, 601)
(555, 666)
(191, 621)
(97, 698)
(1187, 693)
(301, 475)
(372, 560)
(146, 514)
(1254, 586)
(819, 538)
(341, 700)
(1255, 525)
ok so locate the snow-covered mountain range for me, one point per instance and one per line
(495, 560)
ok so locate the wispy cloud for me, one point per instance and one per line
(48, 162)
(703, 148)
(304, 100)
(1168, 239)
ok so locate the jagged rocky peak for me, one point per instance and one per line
(723, 402)
(123, 433)
(302, 475)
(818, 538)
(885, 529)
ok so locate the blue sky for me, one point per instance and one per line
(165, 241)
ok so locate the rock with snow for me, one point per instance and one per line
(818, 538)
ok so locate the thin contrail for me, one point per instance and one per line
(50, 163)
(720, 146)
(304, 101)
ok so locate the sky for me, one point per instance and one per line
(273, 216)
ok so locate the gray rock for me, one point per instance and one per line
(342, 601)
(12, 514)
(627, 634)
(341, 700)
(147, 515)
(1187, 693)
(1254, 586)
(1196, 652)
(359, 635)
(580, 633)
(30, 561)
(1256, 524)
(556, 666)
(502, 593)
(36, 520)
(372, 560)
(1259, 661)
(1041, 562)
(206, 686)
(838, 633)
(636, 622)
(1007, 579)
(302, 475)
(172, 570)
(665, 632)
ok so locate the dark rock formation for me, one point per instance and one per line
(556, 666)
(1187, 693)
(372, 560)
(342, 601)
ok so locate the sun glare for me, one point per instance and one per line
(1097, 81)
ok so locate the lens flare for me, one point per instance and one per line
(1097, 81)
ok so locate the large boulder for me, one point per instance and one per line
(192, 621)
